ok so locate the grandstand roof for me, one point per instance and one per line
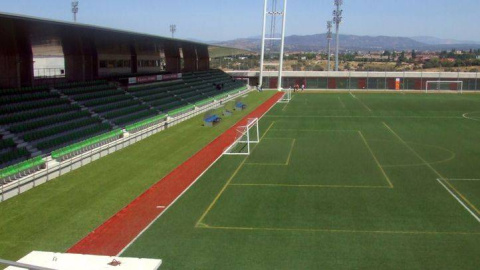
(48, 33)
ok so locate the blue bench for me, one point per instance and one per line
(239, 106)
(212, 120)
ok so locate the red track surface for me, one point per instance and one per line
(117, 232)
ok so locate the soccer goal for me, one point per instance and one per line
(245, 137)
(287, 96)
(444, 86)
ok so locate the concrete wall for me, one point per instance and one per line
(16, 57)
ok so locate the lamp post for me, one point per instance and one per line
(329, 40)
(75, 10)
(173, 29)
(337, 19)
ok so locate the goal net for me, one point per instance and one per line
(245, 137)
(287, 96)
(455, 86)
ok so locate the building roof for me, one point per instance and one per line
(46, 32)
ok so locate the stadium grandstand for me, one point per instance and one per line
(42, 115)
(139, 154)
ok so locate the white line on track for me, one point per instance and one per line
(460, 201)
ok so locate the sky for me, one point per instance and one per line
(218, 20)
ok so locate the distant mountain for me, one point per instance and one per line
(440, 41)
(348, 42)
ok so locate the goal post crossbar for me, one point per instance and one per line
(287, 96)
(438, 83)
(244, 138)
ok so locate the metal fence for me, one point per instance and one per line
(48, 73)
(352, 80)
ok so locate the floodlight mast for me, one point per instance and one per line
(337, 19)
(173, 29)
(273, 13)
(75, 10)
(262, 54)
(280, 69)
(329, 41)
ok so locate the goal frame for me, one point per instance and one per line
(287, 96)
(252, 123)
(441, 82)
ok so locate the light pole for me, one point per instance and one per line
(329, 40)
(173, 29)
(337, 19)
(75, 10)
(272, 14)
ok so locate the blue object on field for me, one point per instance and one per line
(211, 120)
(240, 105)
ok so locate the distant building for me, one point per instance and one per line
(423, 58)
(451, 60)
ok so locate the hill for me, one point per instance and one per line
(318, 42)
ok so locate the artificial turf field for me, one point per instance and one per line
(338, 181)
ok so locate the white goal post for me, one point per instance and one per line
(287, 96)
(245, 137)
(437, 86)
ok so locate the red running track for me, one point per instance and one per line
(117, 232)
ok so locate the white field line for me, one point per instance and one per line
(462, 179)
(465, 115)
(341, 102)
(460, 201)
(181, 194)
(361, 102)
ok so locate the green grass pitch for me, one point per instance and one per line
(338, 181)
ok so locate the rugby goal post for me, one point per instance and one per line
(444, 86)
(287, 96)
(245, 137)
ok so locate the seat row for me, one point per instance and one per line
(15, 154)
(29, 115)
(72, 137)
(25, 90)
(17, 98)
(78, 84)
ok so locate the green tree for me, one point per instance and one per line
(387, 54)
(401, 58)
